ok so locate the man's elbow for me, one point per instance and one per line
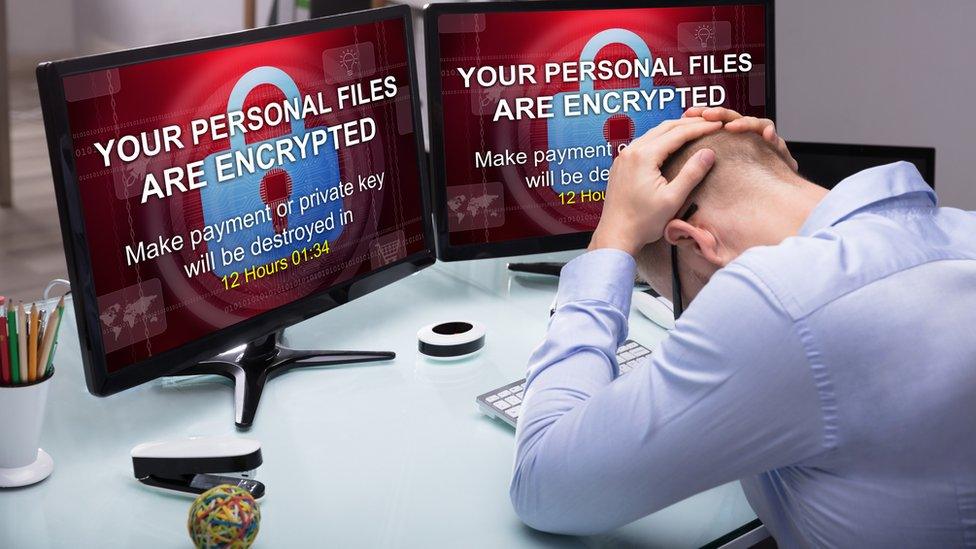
(541, 506)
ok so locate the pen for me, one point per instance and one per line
(41, 332)
(22, 342)
(13, 348)
(57, 330)
(50, 337)
(4, 350)
(32, 333)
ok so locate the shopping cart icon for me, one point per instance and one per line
(387, 248)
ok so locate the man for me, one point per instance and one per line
(828, 357)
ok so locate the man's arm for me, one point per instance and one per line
(729, 394)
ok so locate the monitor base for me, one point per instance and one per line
(252, 365)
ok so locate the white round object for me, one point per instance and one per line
(655, 309)
(451, 339)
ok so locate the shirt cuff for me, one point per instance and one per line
(605, 275)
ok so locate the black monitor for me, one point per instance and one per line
(529, 103)
(826, 164)
(214, 191)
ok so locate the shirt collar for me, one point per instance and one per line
(868, 187)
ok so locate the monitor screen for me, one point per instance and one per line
(220, 181)
(531, 102)
(827, 164)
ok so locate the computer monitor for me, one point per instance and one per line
(530, 102)
(214, 191)
(826, 164)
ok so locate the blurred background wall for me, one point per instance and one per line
(891, 72)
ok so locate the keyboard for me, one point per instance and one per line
(505, 402)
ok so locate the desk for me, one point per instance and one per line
(374, 455)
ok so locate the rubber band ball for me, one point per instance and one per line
(224, 516)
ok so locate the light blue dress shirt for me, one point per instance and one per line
(833, 374)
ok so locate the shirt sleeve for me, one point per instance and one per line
(728, 394)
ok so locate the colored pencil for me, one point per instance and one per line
(4, 346)
(57, 330)
(22, 343)
(32, 333)
(14, 347)
(50, 359)
(50, 334)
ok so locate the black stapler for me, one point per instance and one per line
(194, 465)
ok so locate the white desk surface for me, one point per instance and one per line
(388, 454)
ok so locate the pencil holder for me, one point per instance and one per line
(22, 462)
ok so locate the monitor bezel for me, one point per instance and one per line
(100, 381)
(858, 149)
(435, 115)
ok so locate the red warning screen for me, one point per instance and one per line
(219, 185)
(537, 104)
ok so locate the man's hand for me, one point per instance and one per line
(736, 123)
(640, 201)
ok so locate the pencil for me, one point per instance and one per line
(50, 359)
(14, 347)
(4, 350)
(32, 332)
(50, 331)
(57, 329)
(22, 343)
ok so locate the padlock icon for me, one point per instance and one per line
(272, 189)
(599, 129)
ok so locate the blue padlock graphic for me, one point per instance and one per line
(588, 130)
(249, 193)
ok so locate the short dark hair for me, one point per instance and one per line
(735, 153)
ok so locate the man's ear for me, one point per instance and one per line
(696, 239)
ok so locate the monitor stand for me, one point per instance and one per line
(550, 268)
(251, 366)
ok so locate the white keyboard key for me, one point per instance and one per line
(508, 399)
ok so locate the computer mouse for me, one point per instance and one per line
(657, 309)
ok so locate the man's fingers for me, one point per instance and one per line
(720, 114)
(691, 174)
(784, 152)
(712, 114)
(767, 130)
(750, 124)
(770, 135)
(672, 140)
(663, 127)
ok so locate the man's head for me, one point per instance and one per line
(750, 197)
